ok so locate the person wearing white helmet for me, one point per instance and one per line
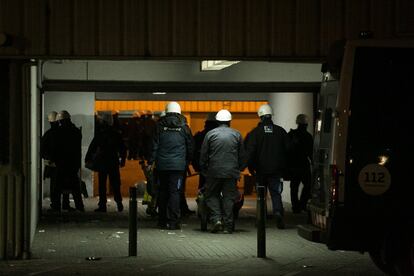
(299, 163)
(173, 107)
(222, 158)
(267, 152)
(172, 151)
(67, 156)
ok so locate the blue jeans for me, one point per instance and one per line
(275, 186)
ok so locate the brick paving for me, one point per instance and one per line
(63, 242)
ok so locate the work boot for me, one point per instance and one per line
(228, 230)
(279, 222)
(101, 209)
(217, 227)
(120, 207)
(69, 209)
(173, 226)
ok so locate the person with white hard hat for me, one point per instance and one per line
(267, 151)
(299, 163)
(222, 158)
(172, 151)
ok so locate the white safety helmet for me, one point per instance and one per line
(173, 107)
(223, 116)
(51, 117)
(264, 109)
(302, 119)
(62, 115)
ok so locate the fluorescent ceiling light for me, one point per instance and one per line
(210, 65)
(159, 93)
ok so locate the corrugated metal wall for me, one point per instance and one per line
(11, 216)
(258, 29)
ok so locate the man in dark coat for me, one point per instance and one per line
(47, 142)
(172, 152)
(209, 124)
(222, 158)
(300, 158)
(108, 151)
(67, 156)
(267, 148)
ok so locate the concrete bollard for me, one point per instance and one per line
(261, 222)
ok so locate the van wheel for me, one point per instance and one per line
(377, 256)
(404, 261)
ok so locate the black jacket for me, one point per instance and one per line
(198, 142)
(300, 149)
(47, 141)
(267, 149)
(173, 144)
(222, 153)
(109, 149)
(67, 148)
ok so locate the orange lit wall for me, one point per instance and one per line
(186, 106)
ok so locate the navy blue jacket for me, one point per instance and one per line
(173, 144)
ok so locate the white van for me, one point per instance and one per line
(363, 184)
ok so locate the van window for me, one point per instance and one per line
(383, 79)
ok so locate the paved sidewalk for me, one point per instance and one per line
(64, 242)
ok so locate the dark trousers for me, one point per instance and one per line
(68, 182)
(299, 203)
(274, 184)
(220, 194)
(114, 181)
(201, 182)
(183, 201)
(171, 185)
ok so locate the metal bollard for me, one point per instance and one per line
(261, 222)
(132, 221)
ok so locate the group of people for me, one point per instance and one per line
(60, 147)
(218, 153)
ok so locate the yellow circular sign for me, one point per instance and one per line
(374, 179)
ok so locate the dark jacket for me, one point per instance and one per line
(300, 149)
(107, 149)
(198, 142)
(267, 149)
(173, 144)
(222, 153)
(47, 141)
(67, 148)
